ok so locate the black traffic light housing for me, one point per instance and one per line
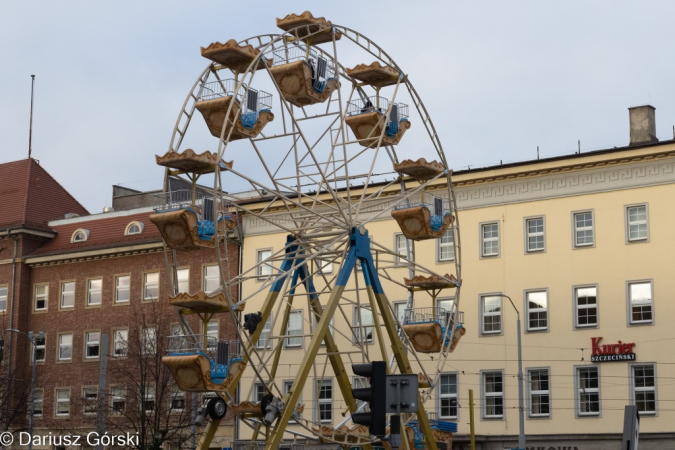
(375, 395)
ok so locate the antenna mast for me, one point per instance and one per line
(30, 132)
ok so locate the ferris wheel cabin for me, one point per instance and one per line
(233, 56)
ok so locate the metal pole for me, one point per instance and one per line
(30, 132)
(32, 393)
(472, 429)
(193, 416)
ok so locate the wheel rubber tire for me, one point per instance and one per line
(217, 408)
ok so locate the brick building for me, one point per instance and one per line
(76, 277)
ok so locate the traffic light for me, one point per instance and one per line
(375, 395)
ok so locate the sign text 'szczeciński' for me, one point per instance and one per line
(620, 351)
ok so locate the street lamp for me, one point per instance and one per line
(521, 409)
(30, 337)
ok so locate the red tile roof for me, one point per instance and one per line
(30, 197)
(104, 232)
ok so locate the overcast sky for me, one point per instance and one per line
(499, 78)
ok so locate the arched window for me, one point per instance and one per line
(80, 235)
(134, 228)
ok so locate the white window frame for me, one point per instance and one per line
(496, 394)
(122, 288)
(296, 340)
(265, 270)
(576, 229)
(448, 396)
(401, 248)
(4, 295)
(94, 291)
(39, 347)
(538, 310)
(535, 234)
(531, 392)
(264, 338)
(41, 297)
(92, 339)
(149, 394)
(491, 239)
(635, 389)
(259, 390)
(578, 307)
(118, 394)
(581, 390)
(176, 395)
(89, 404)
(286, 387)
(400, 305)
(640, 304)
(208, 279)
(483, 314)
(67, 294)
(128, 230)
(120, 342)
(183, 280)
(61, 400)
(447, 241)
(62, 346)
(326, 265)
(147, 285)
(637, 223)
(326, 401)
(149, 340)
(79, 235)
(213, 328)
(38, 399)
(360, 333)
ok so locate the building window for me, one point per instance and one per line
(260, 391)
(644, 388)
(80, 235)
(177, 398)
(94, 292)
(586, 303)
(38, 402)
(446, 246)
(399, 310)
(636, 223)
(588, 398)
(62, 399)
(493, 395)
(65, 347)
(122, 289)
(68, 294)
(489, 239)
(325, 264)
(183, 280)
(151, 286)
(148, 396)
(3, 298)
(120, 342)
(537, 310)
(265, 334)
(212, 328)
(211, 278)
(133, 228)
(583, 229)
(448, 396)
(286, 387)
(640, 302)
(264, 268)
(41, 297)
(294, 329)
(534, 231)
(401, 247)
(118, 399)
(92, 344)
(539, 392)
(149, 341)
(491, 314)
(40, 348)
(325, 391)
(363, 325)
(89, 400)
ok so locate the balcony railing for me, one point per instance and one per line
(433, 314)
(399, 111)
(252, 100)
(199, 343)
(438, 206)
(201, 203)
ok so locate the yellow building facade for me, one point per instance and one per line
(581, 245)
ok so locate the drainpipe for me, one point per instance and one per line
(11, 305)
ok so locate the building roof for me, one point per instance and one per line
(30, 197)
(105, 231)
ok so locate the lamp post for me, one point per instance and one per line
(521, 408)
(31, 338)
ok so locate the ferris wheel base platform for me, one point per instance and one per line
(295, 84)
(415, 223)
(367, 127)
(193, 373)
(214, 112)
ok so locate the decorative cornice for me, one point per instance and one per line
(89, 255)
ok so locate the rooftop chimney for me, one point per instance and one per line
(642, 125)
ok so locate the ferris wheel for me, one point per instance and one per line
(329, 136)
